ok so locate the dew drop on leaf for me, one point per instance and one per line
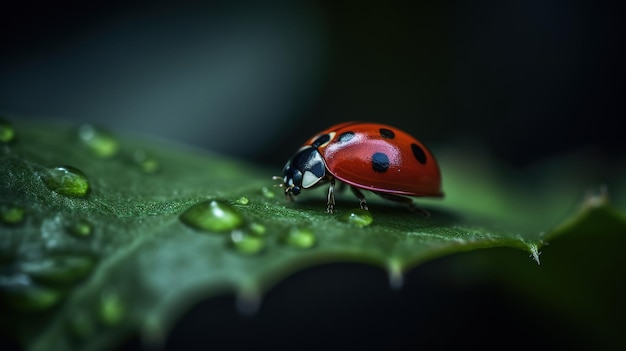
(242, 201)
(7, 133)
(147, 164)
(257, 228)
(267, 192)
(62, 269)
(11, 215)
(66, 180)
(31, 298)
(358, 217)
(246, 243)
(99, 142)
(394, 271)
(80, 228)
(300, 238)
(111, 309)
(212, 216)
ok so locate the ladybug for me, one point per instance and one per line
(366, 156)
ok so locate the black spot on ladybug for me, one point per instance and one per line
(380, 162)
(345, 137)
(321, 140)
(419, 153)
(386, 133)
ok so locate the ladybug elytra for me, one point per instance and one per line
(366, 156)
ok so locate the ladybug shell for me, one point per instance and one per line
(379, 158)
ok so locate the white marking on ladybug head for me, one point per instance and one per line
(309, 179)
(314, 170)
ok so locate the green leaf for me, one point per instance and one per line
(104, 236)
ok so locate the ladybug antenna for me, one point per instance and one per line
(281, 185)
(289, 189)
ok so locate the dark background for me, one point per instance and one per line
(527, 80)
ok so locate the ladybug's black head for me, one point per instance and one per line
(304, 170)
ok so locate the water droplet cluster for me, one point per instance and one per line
(39, 276)
(220, 217)
(32, 285)
(245, 237)
(40, 282)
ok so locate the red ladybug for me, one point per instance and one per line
(370, 156)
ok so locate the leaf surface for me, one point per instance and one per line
(158, 227)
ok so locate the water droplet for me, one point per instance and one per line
(101, 143)
(62, 269)
(257, 228)
(11, 215)
(111, 309)
(396, 278)
(267, 192)
(246, 243)
(31, 298)
(146, 163)
(66, 180)
(81, 228)
(300, 238)
(358, 217)
(7, 133)
(242, 201)
(212, 216)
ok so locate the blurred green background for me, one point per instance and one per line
(524, 81)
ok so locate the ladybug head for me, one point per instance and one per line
(292, 180)
(304, 170)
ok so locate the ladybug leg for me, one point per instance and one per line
(405, 201)
(360, 196)
(331, 197)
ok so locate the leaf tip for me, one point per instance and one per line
(534, 253)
